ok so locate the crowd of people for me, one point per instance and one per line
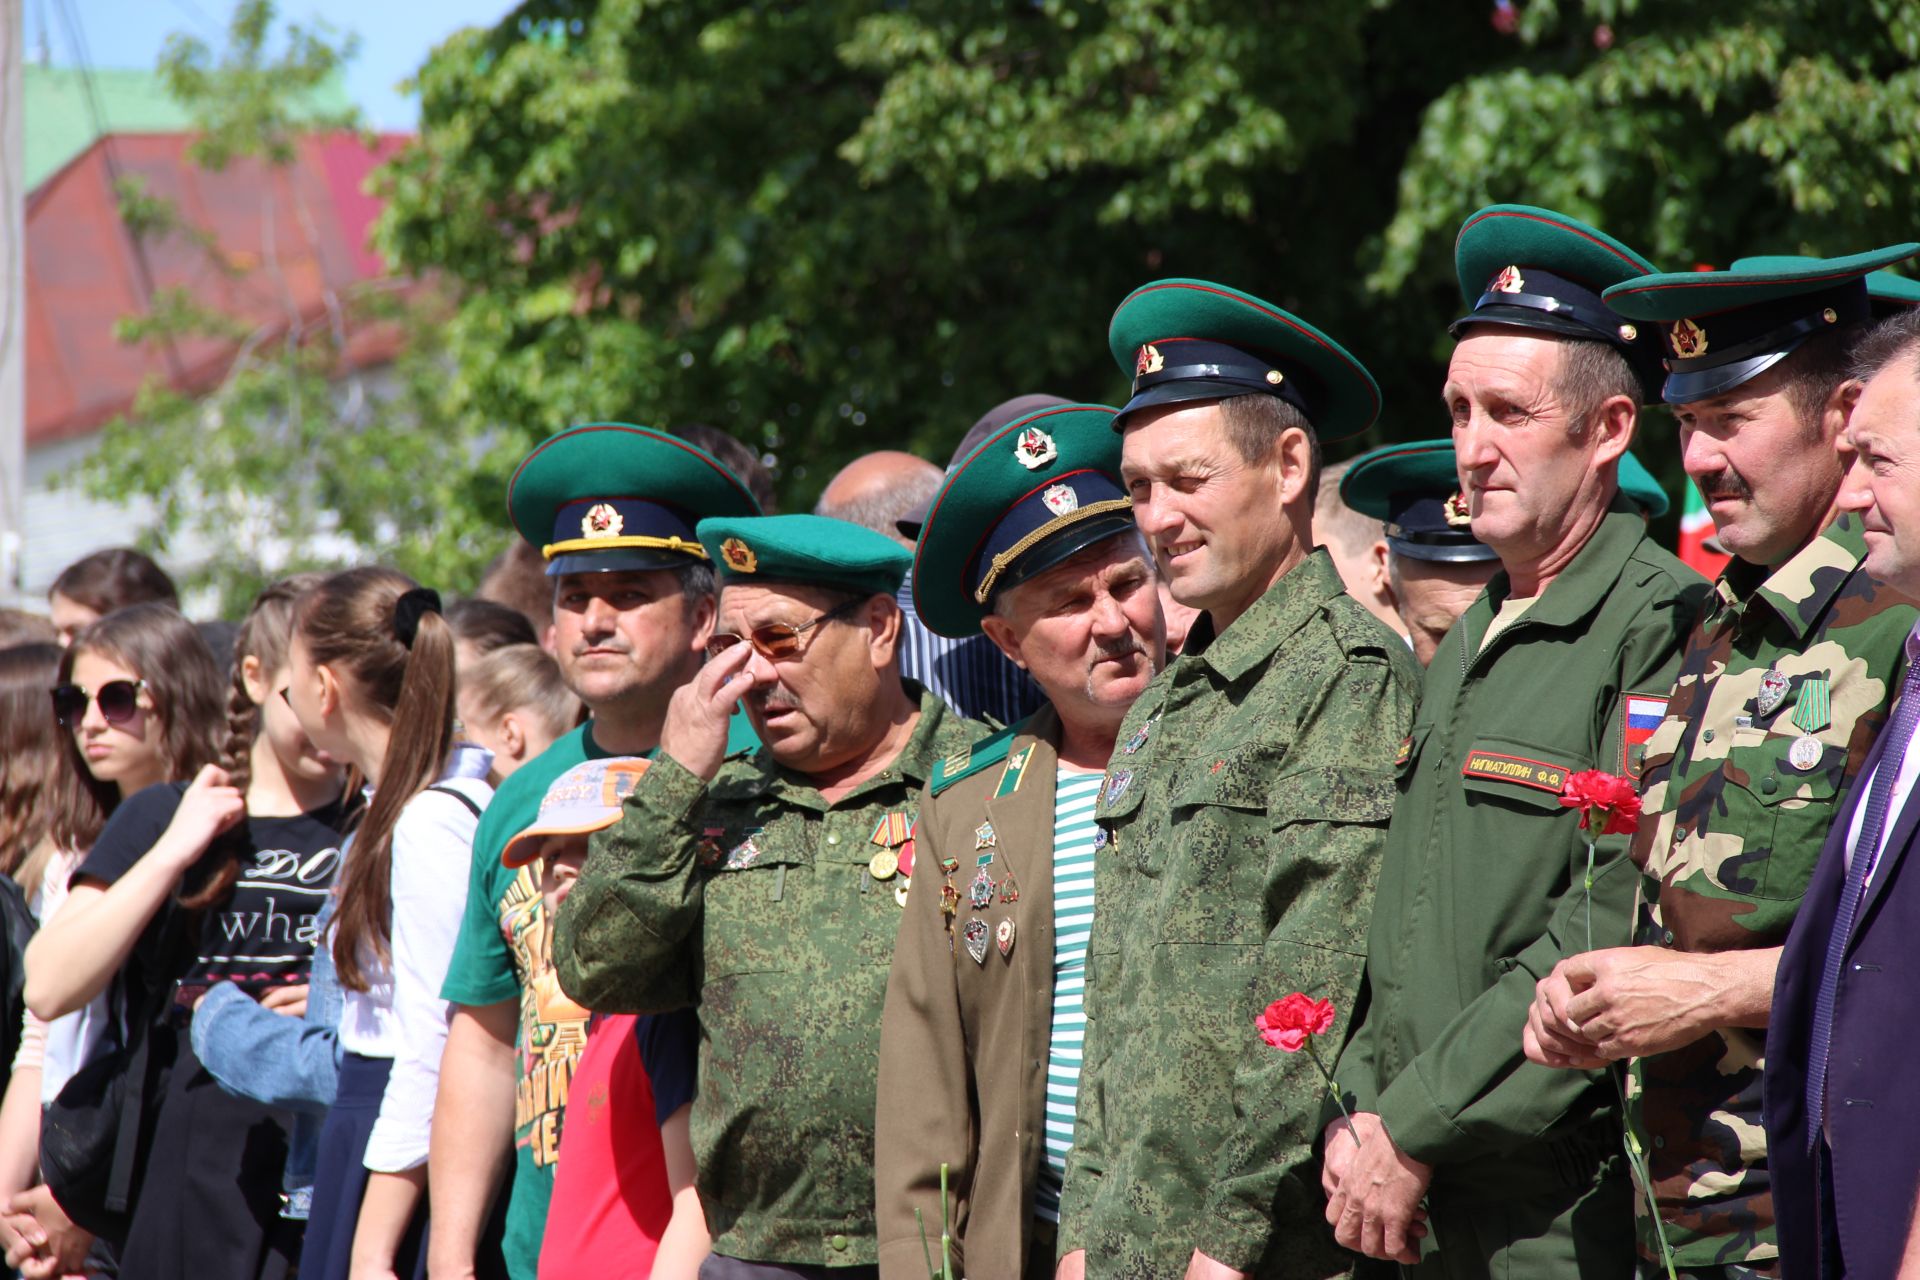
(1130, 849)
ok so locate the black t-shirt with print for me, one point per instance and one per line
(262, 936)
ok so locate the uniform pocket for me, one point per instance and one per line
(1517, 774)
(1786, 811)
(740, 901)
(1214, 865)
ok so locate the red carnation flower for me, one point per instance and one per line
(1288, 1022)
(1608, 803)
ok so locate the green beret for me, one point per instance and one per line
(811, 551)
(1031, 494)
(1723, 328)
(1887, 293)
(611, 496)
(1192, 340)
(1533, 268)
(1641, 488)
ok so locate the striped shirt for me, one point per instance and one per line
(1073, 832)
(972, 676)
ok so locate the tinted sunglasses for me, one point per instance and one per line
(778, 640)
(118, 700)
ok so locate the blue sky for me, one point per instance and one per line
(394, 37)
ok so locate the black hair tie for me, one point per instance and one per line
(410, 608)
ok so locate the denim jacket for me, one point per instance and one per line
(255, 1053)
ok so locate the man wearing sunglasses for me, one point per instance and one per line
(980, 1044)
(761, 889)
(612, 509)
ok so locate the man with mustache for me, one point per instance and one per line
(980, 1045)
(612, 510)
(1785, 684)
(760, 889)
(1484, 886)
(1242, 815)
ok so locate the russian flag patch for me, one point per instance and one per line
(1642, 713)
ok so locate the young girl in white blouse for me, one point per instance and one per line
(373, 684)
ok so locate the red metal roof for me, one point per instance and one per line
(301, 229)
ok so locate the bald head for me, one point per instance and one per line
(876, 489)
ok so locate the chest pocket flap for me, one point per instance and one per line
(1515, 772)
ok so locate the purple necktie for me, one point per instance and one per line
(1866, 852)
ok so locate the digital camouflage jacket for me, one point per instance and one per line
(753, 899)
(1244, 812)
(1735, 820)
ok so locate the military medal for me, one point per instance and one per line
(1004, 937)
(900, 892)
(1138, 740)
(1813, 709)
(983, 837)
(980, 892)
(892, 831)
(1117, 784)
(1009, 891)
(883, 865)
(949, 865)
(1805, 753)
(1100, 839)
(711, 850)
(949, 901)
(1773, 692)
(976, 935)
(744, 854)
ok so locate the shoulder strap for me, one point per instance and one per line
(459, 795)
(968, 761)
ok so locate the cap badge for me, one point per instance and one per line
(1508, 281)
(1830, 316)
(1689, 340)
(601, 521)
(1061, 499)
(1148, 361)
(1034, 449)
(1459, 516)
(739, 556)
(1629, 332)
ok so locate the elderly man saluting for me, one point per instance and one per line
(1243, 813)
(1481, 890)
(756, 887)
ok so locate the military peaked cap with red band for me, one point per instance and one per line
(1192, 340)
(609, 496)
(1722, 328)
(1033, 493)
(1887, 293)
(1532, 268)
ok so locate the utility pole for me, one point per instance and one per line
(13, 292)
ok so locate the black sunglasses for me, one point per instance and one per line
(118, 699)
(778, 641)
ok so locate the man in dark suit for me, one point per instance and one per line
(1842, 1071)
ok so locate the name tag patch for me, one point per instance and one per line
(1495, 767)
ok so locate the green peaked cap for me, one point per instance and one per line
(1031, 494)
(1887, 292)
(812, 551)
(1722, 328)
(1193, 340)
(1373, 480)
(608, 495)
(1531, 268)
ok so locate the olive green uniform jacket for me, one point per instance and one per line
(1481, 890)
(750, 899)
(963, 1046)
(1244, 835)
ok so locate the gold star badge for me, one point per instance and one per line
(1508, 281)
(1458, 516)
(739, 556)
(601, 521)
(1148, 360)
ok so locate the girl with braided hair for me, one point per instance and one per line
(216, 882)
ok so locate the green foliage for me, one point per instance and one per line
(289, 461)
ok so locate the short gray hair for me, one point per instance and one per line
(1591, 373)
(1895, 338)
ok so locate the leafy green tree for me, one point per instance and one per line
(291, 460)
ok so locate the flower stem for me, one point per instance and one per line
(946, 1228)
(1333, 1086)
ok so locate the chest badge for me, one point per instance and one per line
(744, 854)
(1773, 692)
(1138, 740)
(980, 892)
(1009, 890)
(983, 837)
(1003, 936)
(1117, 784)
(1805, 753)
(1813, 709)
(976, 936)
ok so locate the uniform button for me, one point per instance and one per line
(1658, 1142)
(1770, 783)
(839, 1243)
(1707, 736)
(1669, 937)
(833, 839)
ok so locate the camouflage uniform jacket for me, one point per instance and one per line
(750, 898)
(1733, 831)
(1481, 887)
(1242, 839)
